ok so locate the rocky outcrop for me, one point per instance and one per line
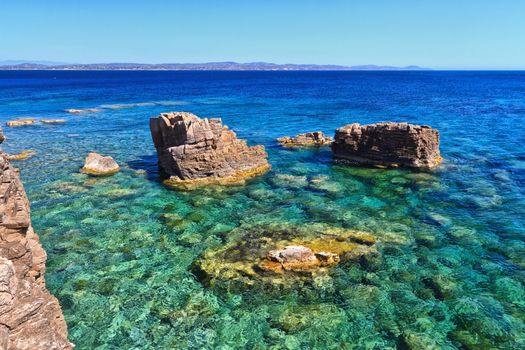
(195, 152)
(30, 317)
(309, 139)
(21, 122)
(98, 165)
(387, 144)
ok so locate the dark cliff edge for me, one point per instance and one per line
(30, 316)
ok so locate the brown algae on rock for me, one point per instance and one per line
(285, 255)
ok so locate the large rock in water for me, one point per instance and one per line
(195, 152)
(387, 144)
(98, 165)
(309, 139)
(30, 317)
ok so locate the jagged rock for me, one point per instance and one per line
(30, 317)
(387, 144)
(309, 139)
(52, 121)
(87, 110)
(22, 155)
(21, 122)
(98, 165)
(195, 152)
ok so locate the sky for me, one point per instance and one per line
(444, 34)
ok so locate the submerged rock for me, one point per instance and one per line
(98, 165)
(387, 144)
(87, 110)
(22, 155)
(52, 121)
(21, 122)
(30, 317)
(196, 152)
(281, 255)
(309, 139)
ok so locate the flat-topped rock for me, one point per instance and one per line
(21, 122)
(98, 165)
(309, 139)
(194, 152)
(387, 144)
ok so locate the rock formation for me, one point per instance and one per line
(30, 317)
(309, 139)
(196, 152)
(387, 144)
(21, 122)
(98, 165)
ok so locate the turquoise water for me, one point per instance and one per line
(122, 250)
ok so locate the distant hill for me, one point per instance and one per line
(227, 66)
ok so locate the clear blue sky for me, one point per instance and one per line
(438, 34)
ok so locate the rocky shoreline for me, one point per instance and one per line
(30, 316)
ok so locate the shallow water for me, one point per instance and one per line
(121, 250)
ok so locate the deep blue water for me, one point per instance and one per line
(121, 249)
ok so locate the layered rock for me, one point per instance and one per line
(387, 144)
(98, 165)
(309, 139)
(30, 317)
(195, 152)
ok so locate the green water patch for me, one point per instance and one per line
(123, 251)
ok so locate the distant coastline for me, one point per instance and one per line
(210, 66)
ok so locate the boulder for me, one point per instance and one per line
(388, 145)
(309, 139)
(194, 152)
(30, 317)
(98, 165)
(21, 122)
(2, 136)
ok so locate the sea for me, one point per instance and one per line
(122, 250)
